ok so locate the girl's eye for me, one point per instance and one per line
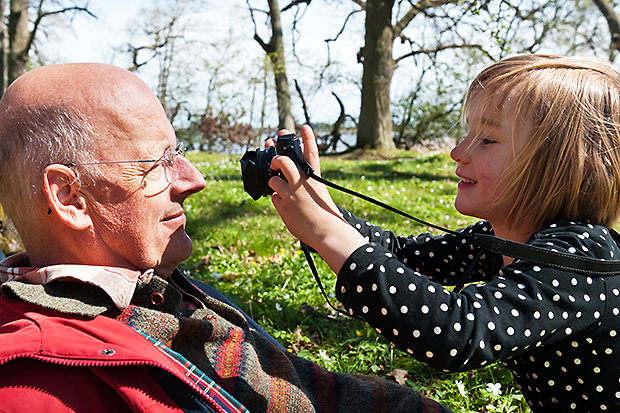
(487, 141)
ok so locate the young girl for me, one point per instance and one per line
(540, 165)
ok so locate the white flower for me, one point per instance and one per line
(495, 389)
(461, 387)
(323, 355)
(278, 307)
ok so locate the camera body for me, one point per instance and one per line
(255, 165)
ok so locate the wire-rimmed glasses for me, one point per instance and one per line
(156, 179)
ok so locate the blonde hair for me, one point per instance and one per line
(570, 167)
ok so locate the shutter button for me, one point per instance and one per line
(157, 299)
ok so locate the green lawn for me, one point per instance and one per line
(242, 248)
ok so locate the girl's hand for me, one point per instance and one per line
(308, 210)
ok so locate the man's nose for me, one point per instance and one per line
(189, 179)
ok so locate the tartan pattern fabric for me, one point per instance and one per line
(260, 375)
(209, 389)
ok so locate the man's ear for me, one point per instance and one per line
(60, 185)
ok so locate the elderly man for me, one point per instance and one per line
(95, 316)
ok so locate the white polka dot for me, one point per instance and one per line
(359, 289)
(404, 309)
(510, 331)
(437, 330)
(370, 267)
(431, 289)
(498, 295)
(453, 352)
(412, 287)
(429, 354)
(416, 333)
(457, 326)
(381, 268)
(425, 309)
(395, 332)
(370, 249)
(392, 290)
(400, 270)
(374, 287)
(514, 312)
(365, 309)
(536, 268)
(444, 307)
(352, 266)
(384, 311)
(491, 325)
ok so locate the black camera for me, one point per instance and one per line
(255, 165)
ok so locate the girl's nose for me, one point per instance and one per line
(458, 151)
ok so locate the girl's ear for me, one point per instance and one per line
(60, 186)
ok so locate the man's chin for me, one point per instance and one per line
(175, 254)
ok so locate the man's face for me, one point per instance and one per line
(139, 230)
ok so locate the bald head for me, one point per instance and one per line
(83, 85)
(106, 95)
(66, 113)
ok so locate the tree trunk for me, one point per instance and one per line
(276, 55)
(19, 40)
(375, 125)
(612, 21)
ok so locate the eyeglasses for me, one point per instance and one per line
(156, 179)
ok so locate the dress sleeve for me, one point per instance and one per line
(520, 307)
(442, 258)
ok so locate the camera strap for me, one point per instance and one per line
(490, 243)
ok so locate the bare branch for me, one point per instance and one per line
(612, 21)
(418, 8)
(297, 3)
(440, 48)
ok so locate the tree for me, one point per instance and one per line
(274, 49)
(376, 56)
(613, 22)
(22, 32)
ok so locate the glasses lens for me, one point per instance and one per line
(162, 174)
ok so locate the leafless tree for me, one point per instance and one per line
(21, 38)
(274, 48)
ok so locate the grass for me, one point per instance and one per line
(242, 248)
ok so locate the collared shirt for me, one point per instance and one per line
(118, 283)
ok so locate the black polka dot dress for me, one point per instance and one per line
(555, 330)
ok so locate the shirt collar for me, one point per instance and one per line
(118, 283)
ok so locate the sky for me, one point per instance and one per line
(95, 39)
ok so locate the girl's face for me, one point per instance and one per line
(482, 158)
